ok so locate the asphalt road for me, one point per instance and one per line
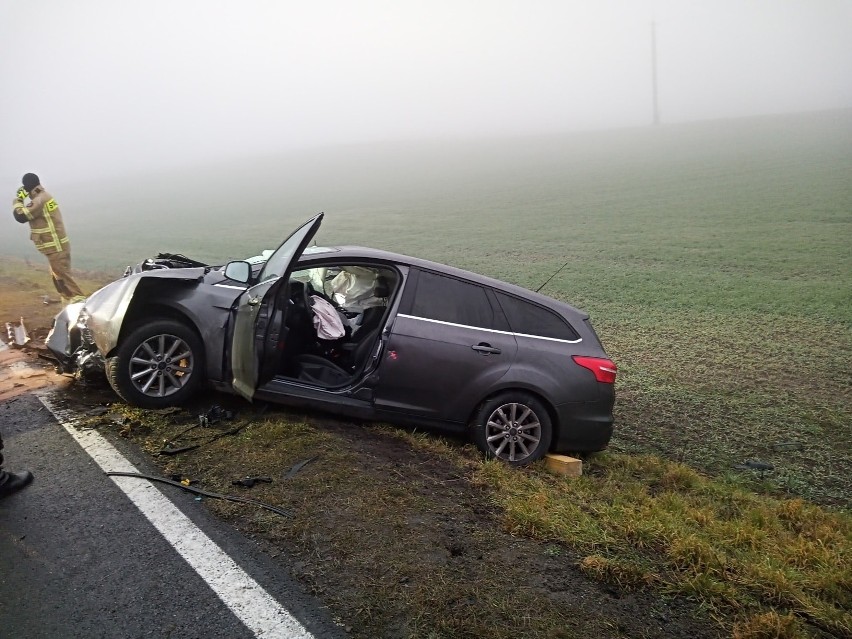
(78, 558)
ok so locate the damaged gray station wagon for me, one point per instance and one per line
(355, 331)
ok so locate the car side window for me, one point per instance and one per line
(450, 300)
(531, 319)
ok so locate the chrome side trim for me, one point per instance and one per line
(491, 330)
(550, 339)
(239, 288)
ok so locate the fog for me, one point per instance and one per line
(104, 87)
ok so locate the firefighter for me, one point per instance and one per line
(48, 234)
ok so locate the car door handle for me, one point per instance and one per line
(486, 349)
(254, 301)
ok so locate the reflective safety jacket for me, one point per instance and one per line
(46, 228)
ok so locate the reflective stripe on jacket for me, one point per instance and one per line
(46, 228)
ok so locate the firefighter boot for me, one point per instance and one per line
(13, 482)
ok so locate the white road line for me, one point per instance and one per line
(252, 605)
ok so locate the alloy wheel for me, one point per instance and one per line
(513, 432)
(161, 365)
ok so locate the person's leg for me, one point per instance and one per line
(60, 270)
(12, 482)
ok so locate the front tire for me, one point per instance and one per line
(514, 427)
(158, 364)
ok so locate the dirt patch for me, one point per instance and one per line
(23, 370)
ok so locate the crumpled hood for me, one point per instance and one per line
(105, 309)
(60, 340)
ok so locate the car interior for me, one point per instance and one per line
(360, 296)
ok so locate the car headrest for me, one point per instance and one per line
(381, 288)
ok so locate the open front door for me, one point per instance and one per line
(256, 318)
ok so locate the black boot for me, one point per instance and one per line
(13, 482)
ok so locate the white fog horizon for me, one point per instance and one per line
(97, 89)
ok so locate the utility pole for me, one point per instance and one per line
(654, 72)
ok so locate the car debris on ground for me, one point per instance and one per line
(211, 416)
(297, 467)
(17, 334)
(249, 482)
(199, 491)
(214, 415)
(755, 464)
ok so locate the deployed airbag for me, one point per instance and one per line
(354, 288)
(327, 322)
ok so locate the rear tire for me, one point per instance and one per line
(514, 427)
(158, 364)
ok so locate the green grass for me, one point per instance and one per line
(644, 522)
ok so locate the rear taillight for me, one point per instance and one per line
(604, 369)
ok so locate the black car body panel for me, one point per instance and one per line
(426, 360)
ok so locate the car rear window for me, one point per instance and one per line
(450, 300)
(532, 319)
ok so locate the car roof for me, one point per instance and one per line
(344, 253)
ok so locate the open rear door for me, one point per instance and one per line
(255, 309)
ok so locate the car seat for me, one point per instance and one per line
(371, 316)
(319, 370)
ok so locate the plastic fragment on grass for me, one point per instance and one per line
(249, 482)
(215, 414)
(787, 446)
(167, 450)
(295, 469)
(17, 334)
(755, 464)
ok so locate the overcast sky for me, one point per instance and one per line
(99, 87)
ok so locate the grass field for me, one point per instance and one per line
(715, 260)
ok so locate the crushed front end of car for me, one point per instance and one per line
(84, 333)
(65, 342)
